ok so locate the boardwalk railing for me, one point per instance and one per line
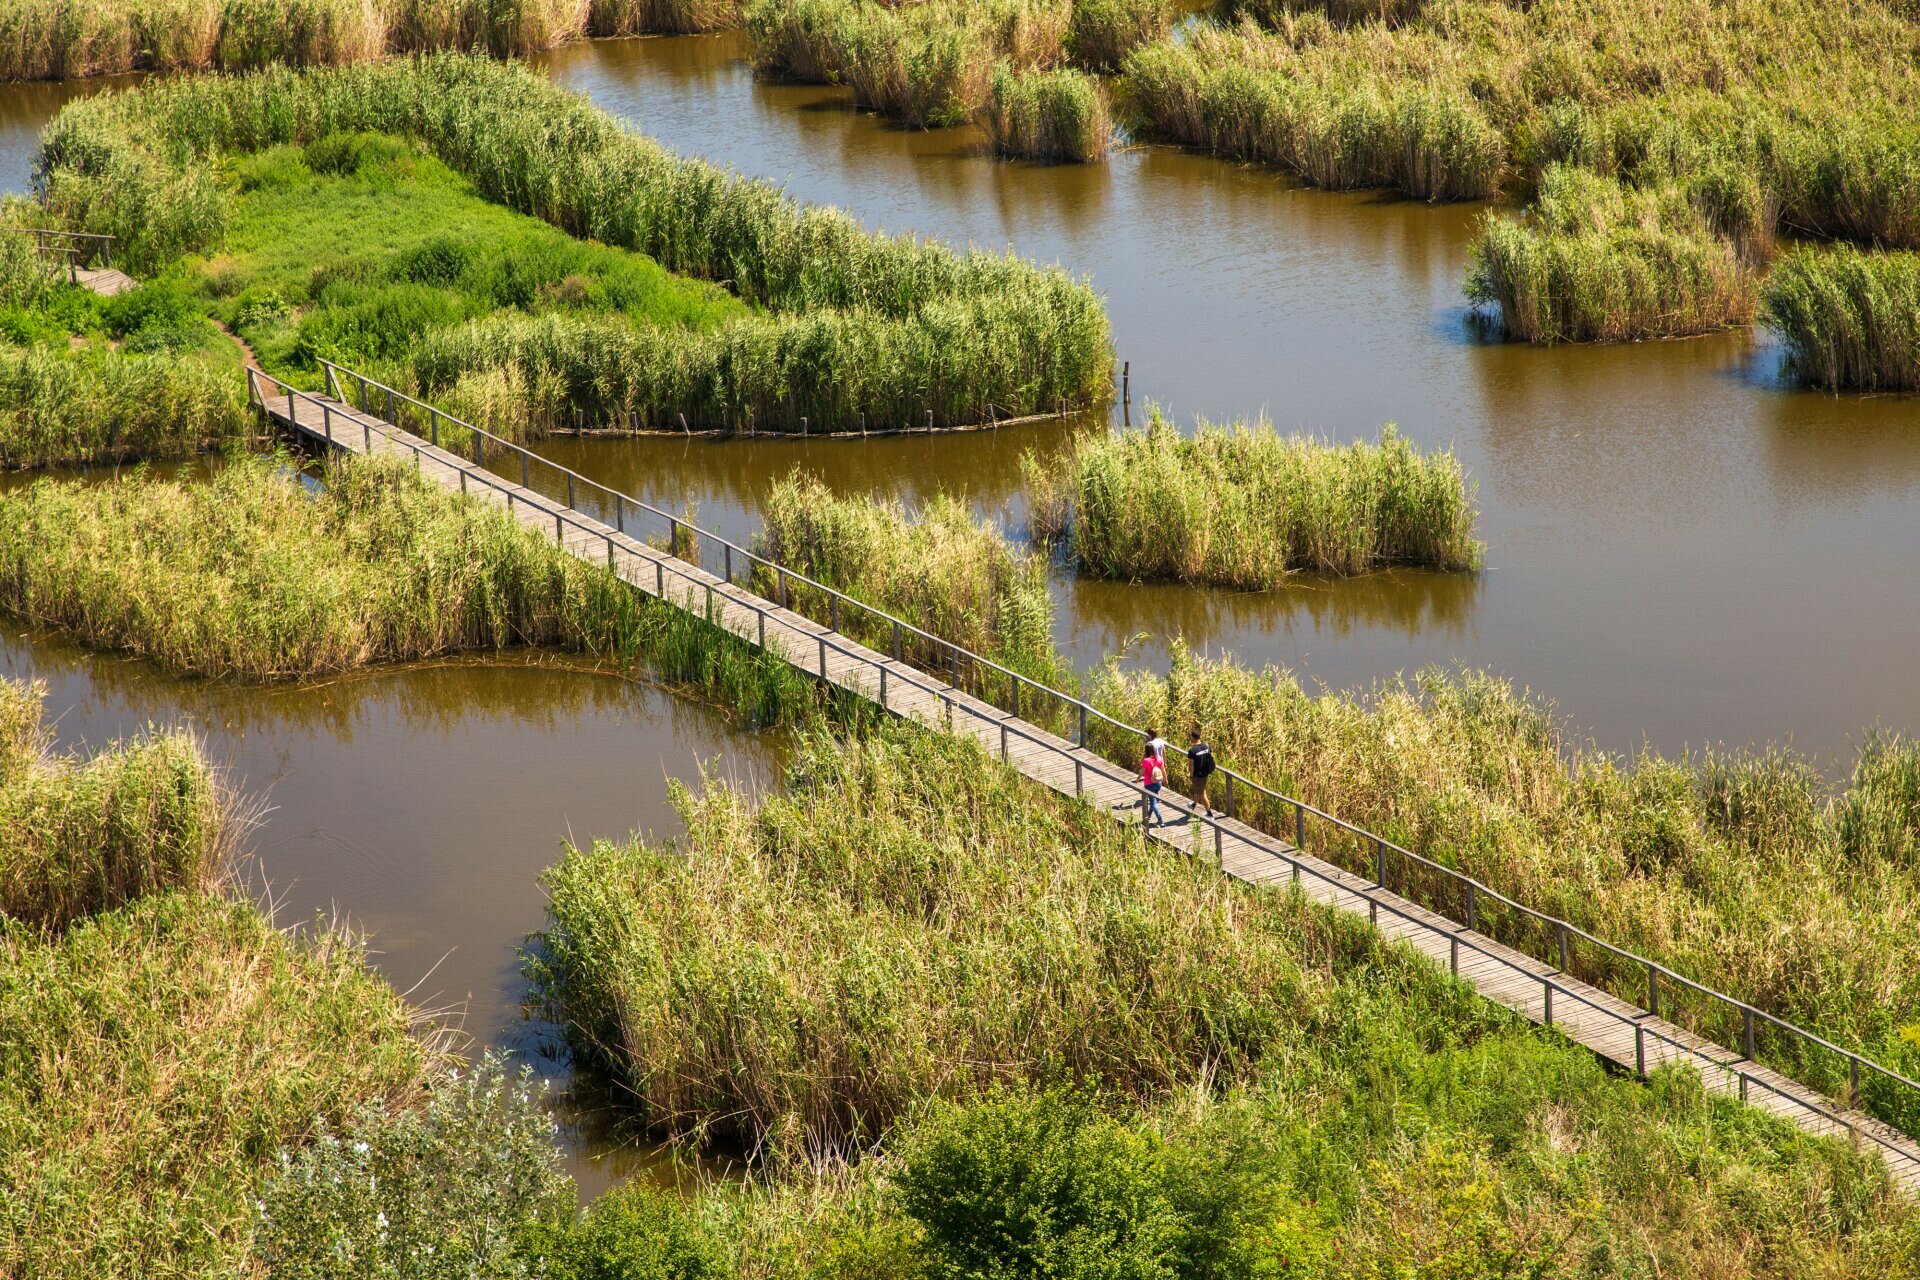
(1462, 900)
(77, 249)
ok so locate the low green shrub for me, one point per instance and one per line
(451, 1188)
(634, 1232)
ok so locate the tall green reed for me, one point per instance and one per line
(1048, 115)
(1848, 318)
(1246, 507)
(78, 837)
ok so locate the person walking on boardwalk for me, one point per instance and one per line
(1200, 759)
(1157, 745)
(1153, 776)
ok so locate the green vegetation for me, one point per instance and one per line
(152, 1059)
(1731, 868)
(88, 379)
(948, 62)
(1261, 1089)
(1850, 319)
(81, 837)
(53, 40)
(1599, 261)
(1101, 33)
(975, 335)
(1237, 94)
(937, 568)
(926, 64)
(1246, 507)
(1048, 115)
(1704, 129)
(253, 575)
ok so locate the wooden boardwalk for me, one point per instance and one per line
(1615, 1030)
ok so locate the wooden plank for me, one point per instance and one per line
(1586, 1015)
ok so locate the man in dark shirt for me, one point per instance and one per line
(1200, 757)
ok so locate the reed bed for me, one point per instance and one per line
(1428, 142)
(1049, 115)
(1101, 33)
(1601, 262)
(142, 165)
(55, 40)
(1721, 123)
(1731, 867)
(251, 576)
(1246, 507)
(936, 568)
(925, 64)
(152, 1061)
(1849, 319)
(906, 921)
(78, 837)
(97, 405)
(1033, 1019)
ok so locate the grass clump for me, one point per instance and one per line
(926, 64)
(81, 837)
(1598, 262)
(1246, 507)
(145, 165)
(1329, 129)
(952, 577)
(100, 405)
(1134, 1066)
(1849, 319)
(152, 1061)
(1048, 115)
(1731, 868)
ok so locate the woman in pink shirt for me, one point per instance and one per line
(1153, 776)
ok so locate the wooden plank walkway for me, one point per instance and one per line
(105, 281)
(1613, 1029)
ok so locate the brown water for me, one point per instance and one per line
(1681, 547)
(420, 805)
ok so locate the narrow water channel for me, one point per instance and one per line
(419, 805)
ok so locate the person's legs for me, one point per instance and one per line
(1153, 803)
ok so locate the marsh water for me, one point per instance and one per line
(1682, 548)
(419, 805)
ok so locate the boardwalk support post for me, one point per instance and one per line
(1561, 929)
(1546, 994)
(1640, 1050)
(1746, 1031)
(1299, 826)
(1081, 741)
(1653, 990)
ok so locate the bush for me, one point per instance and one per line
(449, 1189)
(634, 1232)
(1045, 1184)
(1102, 33)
